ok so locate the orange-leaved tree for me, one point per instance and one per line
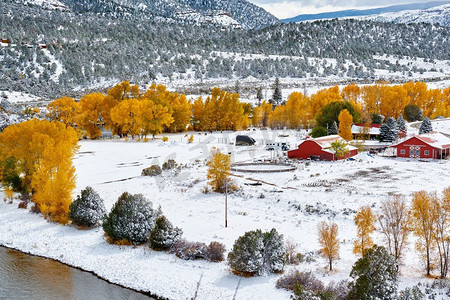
(329, 242)
(65, 110)
(365, 223)
(218, 174)
(43, 153)
(345, 125)
(422, 224)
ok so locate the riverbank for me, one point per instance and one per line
(27, 276)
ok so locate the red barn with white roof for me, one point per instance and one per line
(428, 145)
(320, 148)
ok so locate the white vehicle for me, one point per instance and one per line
(271, 145)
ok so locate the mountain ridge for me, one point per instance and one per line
(364, 12)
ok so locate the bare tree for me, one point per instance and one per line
(393, 219)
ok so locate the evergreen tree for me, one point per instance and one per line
(259, 95)
(401, 124)
(375, 276)
(333, 129)
(164, 235)
(277, 96)
(425, 127)
(258, 253)
(88, 209)
(388, 131)
(377, 119)
(131, 219)
(413, 113)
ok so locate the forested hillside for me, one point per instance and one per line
(52, 52)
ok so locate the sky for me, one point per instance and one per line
(291, 8)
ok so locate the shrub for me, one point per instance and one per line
(258, 253)
(164, 235)
(318, 131)
(88, 209)
(169, 164)
(191, 139)
(165, 139)
(154, 170)
(216, 251)
(132, 218)
(189, 250)
(304, 279)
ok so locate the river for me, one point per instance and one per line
(24, 276)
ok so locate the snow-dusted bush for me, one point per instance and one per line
(189, 250)
(88, 209)
(153, 170)
(131, 219)
(258, 253)
(169, 164)
(306, 286)
(164, 235)
(375, 276)
(425, 127)
(413, 293)
(216, 252)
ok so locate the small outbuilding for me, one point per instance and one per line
(434, 145)
(372, 131)
(244, 140)
(320, 148)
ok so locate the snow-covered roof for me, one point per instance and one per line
(325, 142)
(357, 129)
(434, 139)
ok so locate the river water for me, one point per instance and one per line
(24, 276)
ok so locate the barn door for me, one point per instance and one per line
(414, 151)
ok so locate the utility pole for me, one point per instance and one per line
(226, 200)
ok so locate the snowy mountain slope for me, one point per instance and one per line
(439, 14)
(236, 13)
(364, 12)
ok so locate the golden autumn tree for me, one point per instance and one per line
(351, 93)
(153, 117)
(422, 225)
(198, 114)
(365, 224)
(124, 90)
(181, 114)
(297, 110)
(64, 110)
(440, 214)
(125, 117)
(329, 242)
(92, 114)
(218, 173)
(278, 118)
(322, 98)
(43, 153)
(345, 125)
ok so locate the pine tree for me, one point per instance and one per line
(277, 96)
(375, 276)
(259, 95)
(401, 124)
(426, 126)
(388, 131)
(333, 129)
(258, 253)
(88, 209)
(164, 235)
(131, 219)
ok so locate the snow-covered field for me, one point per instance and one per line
(294, 203)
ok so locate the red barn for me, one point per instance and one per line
(320, 148)
(427, 145)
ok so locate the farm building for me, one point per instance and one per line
(320, 148)
(372, 132)
(427, 145)
(244, 140)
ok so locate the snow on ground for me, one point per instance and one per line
(294, 203)
(18, 97)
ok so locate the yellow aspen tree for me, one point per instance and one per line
(219, 165)
(351, 93)
(394, 224)
(44, 152)
(266, 112)
(329, 242)
(191, 139)
(153, 117)
(294, 109)
(9, 194)
(256, 116)
(124, 90)
(198, 114)
(278, 118)
(92, 112)
(124, 116)
(64, 110)
(432, 103)
(417, 92)
(365, 224)
(345, 125)
(422, 225)
(181, 114)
